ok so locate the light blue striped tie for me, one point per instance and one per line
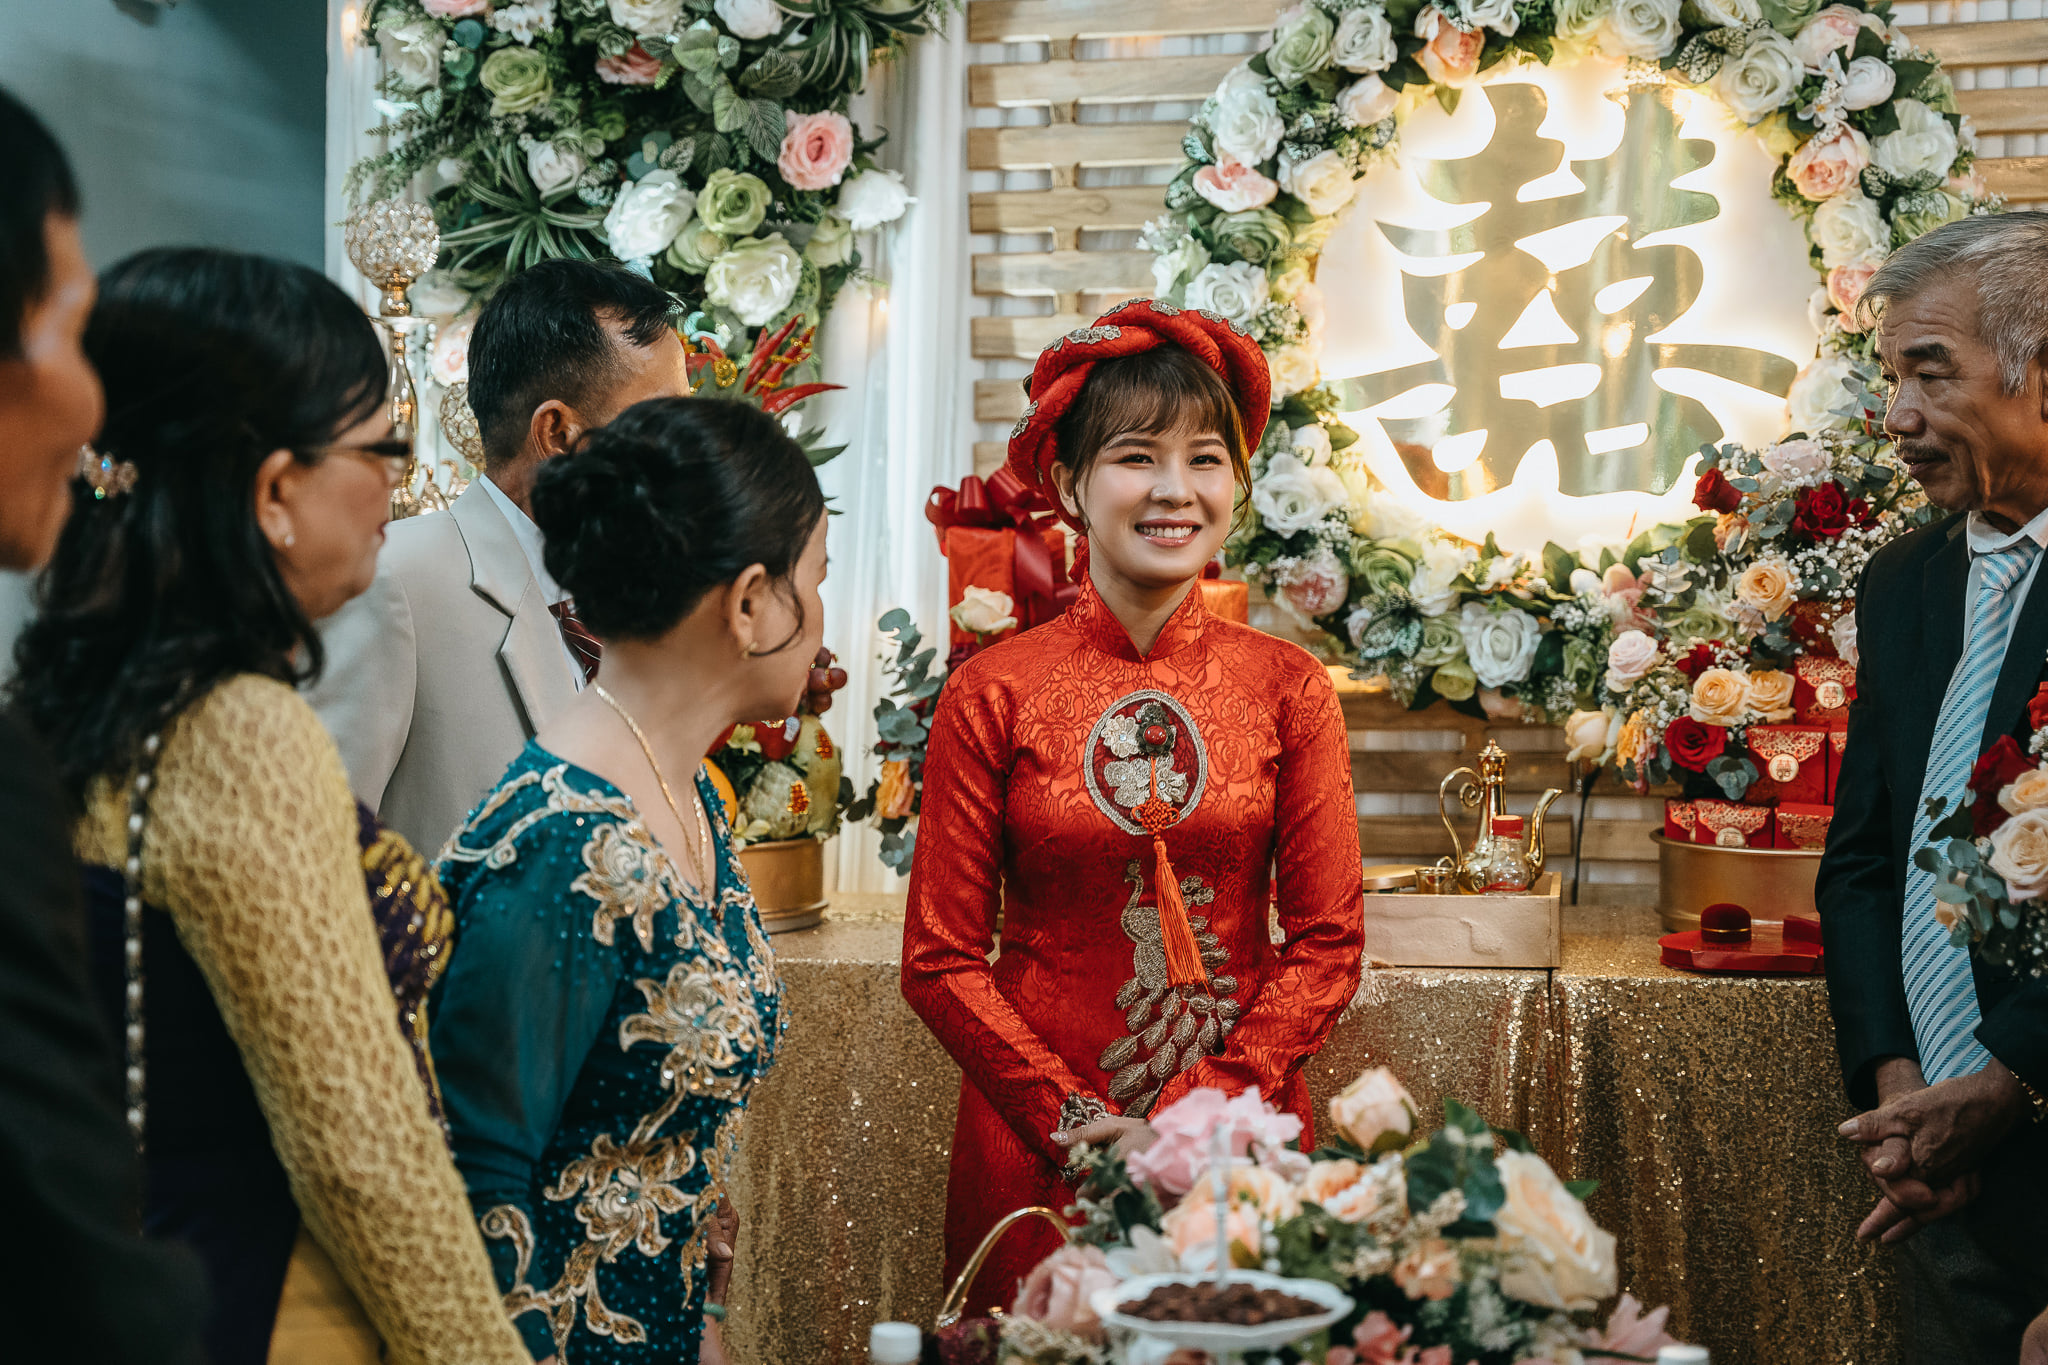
(1940, 992)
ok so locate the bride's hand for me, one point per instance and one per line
(1122, 1135)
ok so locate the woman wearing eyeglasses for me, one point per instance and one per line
(262, 948)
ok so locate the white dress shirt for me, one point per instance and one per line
(1986, 539)
(534, 544)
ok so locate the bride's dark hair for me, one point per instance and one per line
(211, 361)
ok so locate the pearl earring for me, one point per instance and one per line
(290, 539)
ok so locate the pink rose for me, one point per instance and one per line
(1233, 186)
(1632, 1332)
(1057, 1291)
(1376, 1341)
(635, 67)
(1829, 163)
(1177, 1160)
(453, 9)
(816, 150)
(1317, 589)
(1845, 285)
(449, 363)
(1429, 1270)
(1969, 186)
(1831, 30)
(1449, 56)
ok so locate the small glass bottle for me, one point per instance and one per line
(894, 1343)
(1682, 1355)
(1500, 865)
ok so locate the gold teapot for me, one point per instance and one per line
(1486, 789)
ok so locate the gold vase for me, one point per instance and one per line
(1770, 883)
(788, 878)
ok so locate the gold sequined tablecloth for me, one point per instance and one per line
(1706, 1108)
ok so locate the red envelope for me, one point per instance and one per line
(1838, 740)
(1823, 689)
(1795, 760)
(1728, 825)
(1804, 826)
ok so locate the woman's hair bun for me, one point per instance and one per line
(675, 497)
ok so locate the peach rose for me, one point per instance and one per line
(1834, 29)
(1846, 284)
(1829, 163)
(1730, 529)
(816, 150)
(2019, 854)
(1634, 744)
(1234, 187)
(895, 793)
(1328, 1181)
(1057, 1291)
(1449, 56)
(634, 67)
(1589, 735)
(1565, 1260)
(1429, 1270)
(1770, 695)
(2028, 791)
(1374, 1106)
(1767, 586)
(1719, 697)
(1257, 1198)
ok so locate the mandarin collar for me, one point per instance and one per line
(1100, 627)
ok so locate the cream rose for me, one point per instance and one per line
(1435, 585)
(1829, 162)
(647, 215)
(1562, 1259)
(1770, 695)
(755, 278)
(1236, 291)
(831, 243)
(984, 611)
(1831, 30)
(1364, 41)
(1182, 261)
(1632, 654)
(648, 18)
(1850, 230)
(1366, 101)
(1500, 645)
(1719, 697)
(412, 51)
(1641, 28)
(1374, 1106)
(2028, 791)
(1800, 464)
(1766, 585)
(1288, 498)
(1817, 391)
(1590, 735)
(1449, 55)
(1293, 369)
(2019, 854)
(1924, 146)
(1234, 186)
(1245, 125)
(872, 198)
(1323, 182)
(1867, 83)
(750, 18)
(1756, 83)
(554, 165)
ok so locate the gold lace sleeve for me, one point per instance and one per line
(252, 849)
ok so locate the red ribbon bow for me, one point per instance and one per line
(1000, 501)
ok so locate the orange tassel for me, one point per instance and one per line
(1183, 955)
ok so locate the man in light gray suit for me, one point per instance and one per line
(464, 645)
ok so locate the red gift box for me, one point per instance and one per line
(998, 533)
(1681, 819)
(1823, 689)
(1228, 598)
(977, 558)
(1838, 740)
(1726, 824)
(1804, 826)
(1795, 760)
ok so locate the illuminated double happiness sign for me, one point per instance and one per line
(1594, 281)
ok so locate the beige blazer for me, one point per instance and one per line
(438, 674)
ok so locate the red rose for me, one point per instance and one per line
(1861, 512)
(1821, 511)
(1713, 493)
(1693, 745)
(2001, 763)
(2037, 709)
(1697, 660)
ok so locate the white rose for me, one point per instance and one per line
(831, 243)
(412, 51)
(1582, 19)
(1721, 13)
(1181, 261)
(1868, 83)
(1364, 41)
(1561, 1259)
(1366, 101)
(1434, 586)
(647, 215)
(872, 198)
(1246, 123)
(1498, 15)
(1236, 291)
(1591, 735)
(1323, 183)
(1292, 369)
(1289, 498)
(749, 18)
(1311, 445)
(1850, 230)
(1500, 644)
(1630, 656)
(1817, 391)
(2019, 854)
(755, 278)
(438, 295)
(1757, 83)
(553, 165)
(450, 361)
(1641, 28)
(1375, 1105)
(1924, 145)
(1800, 464)
(983, 611)
(648, 18)
(1583, 582)
(1843, 634)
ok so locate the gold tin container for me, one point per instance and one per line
(1770, 883)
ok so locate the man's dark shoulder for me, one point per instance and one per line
(1902, 561)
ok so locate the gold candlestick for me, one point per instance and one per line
(393, 243)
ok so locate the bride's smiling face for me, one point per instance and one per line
(1157, 505)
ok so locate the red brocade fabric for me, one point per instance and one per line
(1032, 775)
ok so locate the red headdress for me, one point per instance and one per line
(1132, 326)
(1056, 381)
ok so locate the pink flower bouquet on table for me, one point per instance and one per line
(1458, 1247)
(1989, 852)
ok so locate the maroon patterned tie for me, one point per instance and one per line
(587, 648)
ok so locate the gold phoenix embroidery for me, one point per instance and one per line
(1170, 1030)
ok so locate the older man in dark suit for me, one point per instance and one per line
(1950, 1053)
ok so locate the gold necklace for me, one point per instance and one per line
(703, 856)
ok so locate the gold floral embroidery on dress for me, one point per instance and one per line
(628, 878)
(1170, 1029)
(708, 1023)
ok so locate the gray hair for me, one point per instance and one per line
(2008, 254)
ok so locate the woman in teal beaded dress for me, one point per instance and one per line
(615, 998)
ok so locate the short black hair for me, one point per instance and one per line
(674, 497)
(38, 185)
(542, 335)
